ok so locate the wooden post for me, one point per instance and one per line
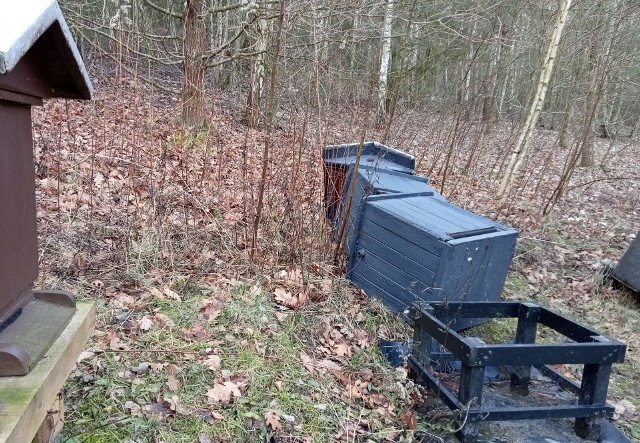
(52, 425)
(25, 401)
(525, 333)
(593, 391)
(421, 347)
(470, 396)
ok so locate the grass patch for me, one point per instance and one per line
(153, 384)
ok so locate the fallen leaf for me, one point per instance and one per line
(195, 333)
(409, 419)
(287, 299)
(224, 392)
(212, 362)
(157, 293)
(163, 320)
(172, 383)
(212, 306)
(171, 294)
(145, 323)
(272, 420)
(133, 408)
(283, 296)
(379, 400)
(342, 350)
(329, 365)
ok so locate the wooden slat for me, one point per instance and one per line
(454, 213)
(392, 294)
(417, 286)
(433, 223)
(418, 263)
(24, 400)
(392, 240)
(392, 222)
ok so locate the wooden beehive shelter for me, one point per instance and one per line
(38, 60)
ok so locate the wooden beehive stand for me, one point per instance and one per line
(587, 347)
(42, 332)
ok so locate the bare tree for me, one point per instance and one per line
(385, 61)
(193, 63)
(524, 136)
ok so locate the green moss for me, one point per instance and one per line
(495, 331)
(16, 396)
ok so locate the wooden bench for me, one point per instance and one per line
(31, 408)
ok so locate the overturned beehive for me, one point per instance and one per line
(405, 242)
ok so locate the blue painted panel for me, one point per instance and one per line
(401, 228)
(406, 242)
(380, 286)
(415, 285)
(395, 244)
(468, 255)
(435, 217)
(390, 292)
(373, 181)
(372, 152)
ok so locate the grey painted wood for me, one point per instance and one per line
(396, 256)
(628, 269)
(396, 241)
(411, 250)
(372, 152)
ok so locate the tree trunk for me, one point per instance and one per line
(193, 64)
(598, 61)
(256, 88)
(522, 144)
(385, 61)
(490, 100)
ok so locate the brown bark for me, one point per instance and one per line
(193, 63)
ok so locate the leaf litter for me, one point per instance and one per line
(159, 231)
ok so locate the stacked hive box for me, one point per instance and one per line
(406, 243)
(338, 158)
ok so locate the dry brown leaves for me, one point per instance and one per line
(225, 391)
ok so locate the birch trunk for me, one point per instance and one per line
(385, 61)
(256, 88)
(522, 144)
(489, 108)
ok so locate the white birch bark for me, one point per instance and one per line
(256, 88)
(385, 61)
(522, 144)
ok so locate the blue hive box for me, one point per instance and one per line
(375, 181)
(338, 158)
(417, 247)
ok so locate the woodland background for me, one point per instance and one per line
(187, 197)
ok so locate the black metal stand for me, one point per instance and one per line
(587, 347)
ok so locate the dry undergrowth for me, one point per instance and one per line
(195, 342)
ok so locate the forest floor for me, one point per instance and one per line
(196, 342)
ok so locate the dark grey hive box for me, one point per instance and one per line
(628, 269)
(338, 158)
(414, 247)
(372, 180)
